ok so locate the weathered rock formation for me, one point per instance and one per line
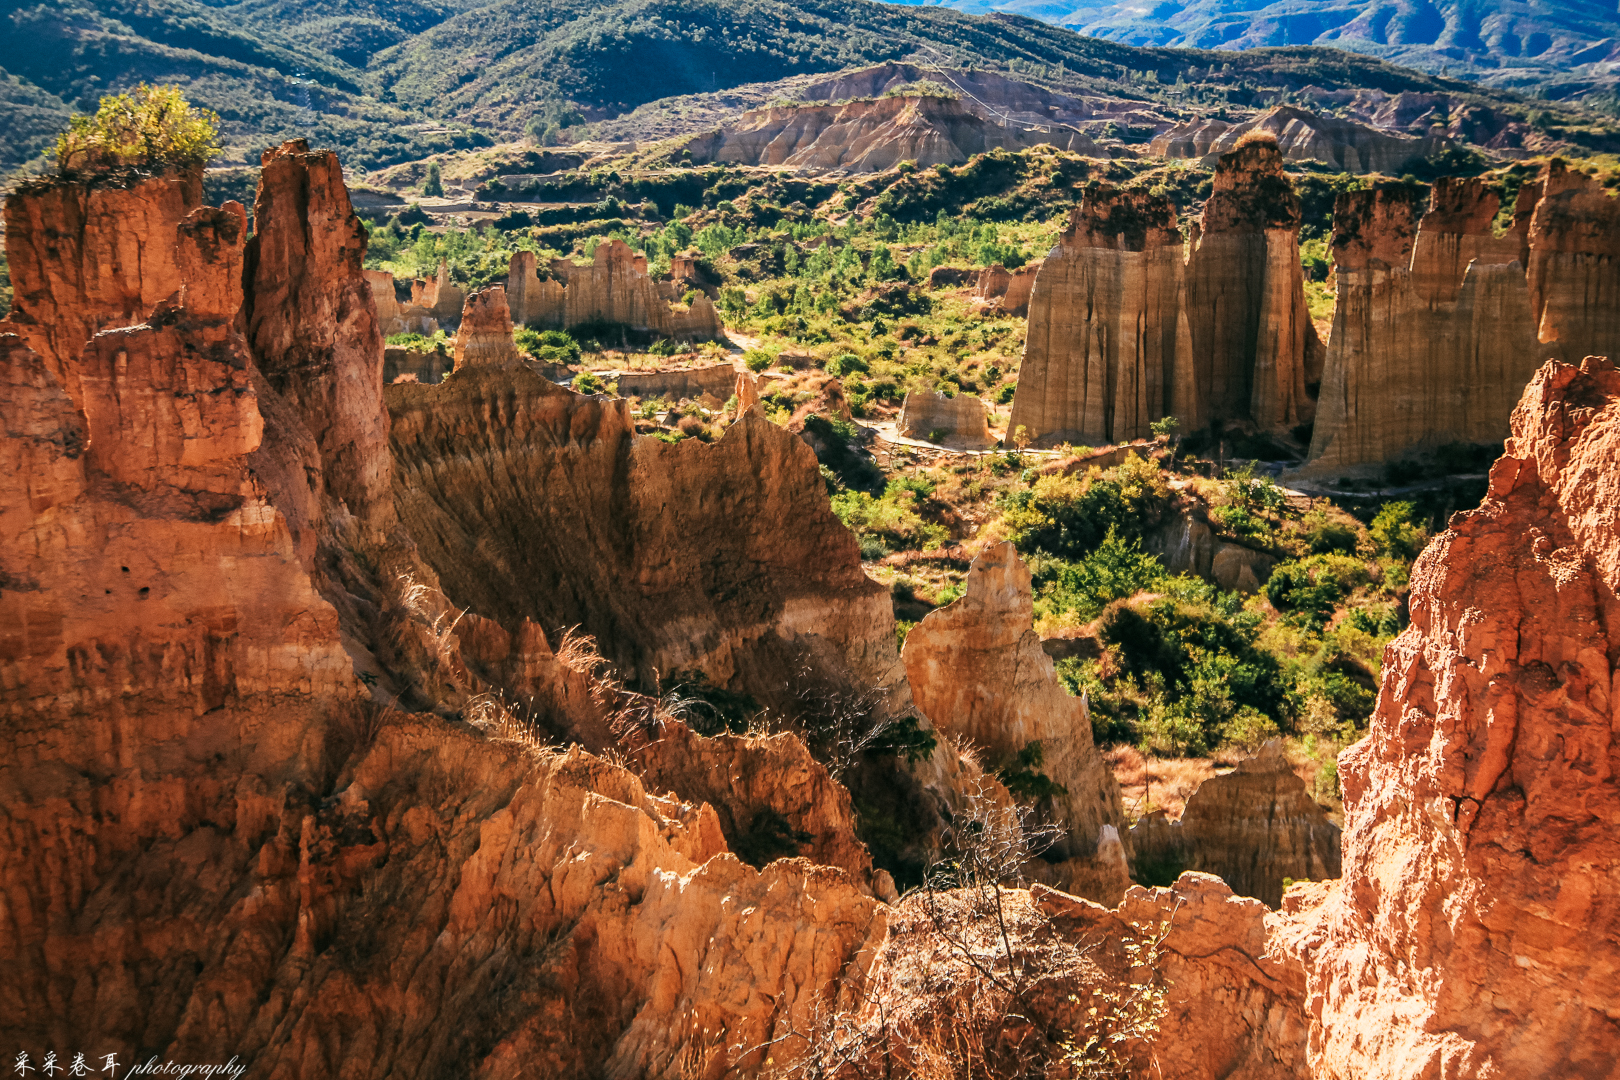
(426, 367)
(1251, 827)
(1574, 267)
(615, 288)
(1475, 930)
(690, 533)
(719, 380)
(86, 258)
(1005, 291)
(978, 673)
(1254, 347)
(436, 297)
(957, 421)
(747, 390)
(1108, 337)
(870, 136)
(485, 334)
(311, 322)
(1303, 136)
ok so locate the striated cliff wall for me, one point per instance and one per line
(88, 257)
(1438, 325)
(1475, 930)
(1303, 136)
(485, 333)
(1250, 329)
(871, 136)
(1108, 349)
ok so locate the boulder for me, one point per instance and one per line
(1235, 567)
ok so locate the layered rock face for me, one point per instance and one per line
(1437, 327)
(1574, 268)
(1108, 349)
(86, 258)
(436, 297)
(485, 333)
(870, 136)
(1251, 332)
(311, 321)
(1475, 931)
(955, 421)
(1303, 136)
(615, 288)
(1251, 827)
(977, 672)
(557, 496)
(720, 380)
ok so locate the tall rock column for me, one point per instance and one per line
(1575, 266)
(86, 257)
(533, 301)
(1251, 330)
(1432, 330)
(311, 321)
(1477, 928)
(1107, 334)
(485, 333)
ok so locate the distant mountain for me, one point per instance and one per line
(394, 82)
(1562, 47)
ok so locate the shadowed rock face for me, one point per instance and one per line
(1475, 931)
(210, 826)
(1251, 827)
(977, 672)
(1574, 269)
(531, 501)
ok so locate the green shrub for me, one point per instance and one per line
(588, 382)
(152, 127)
(1023, 776)
(1115, 570)
(846, 364)
(1397, 532)
(556, 346)
(433, 186)
(1312, 587)
(757, 360)
(1005, 392)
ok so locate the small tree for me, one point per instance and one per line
(152, 127)
(433, 188)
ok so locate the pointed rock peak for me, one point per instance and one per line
(996, 595)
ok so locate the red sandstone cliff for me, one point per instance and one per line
(1475, 930)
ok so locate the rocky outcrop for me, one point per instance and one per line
(207, 819)
(870, 136)
(1574, 265)
(394, 317)
(1302, 136)
(1005, 291)
(485, 334)
(1251, 332)
(978, 673)
(311, 322)
(90, 257)
(719, 380)
(690, 533)
(1108, 348)
(747, 390)
(426, 367)
(1475, 930)
(436, 297)
(533, 300)
(1433, 329)
(1231, 1001)
(956, 421)
(1252, 827)
(614, 288)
